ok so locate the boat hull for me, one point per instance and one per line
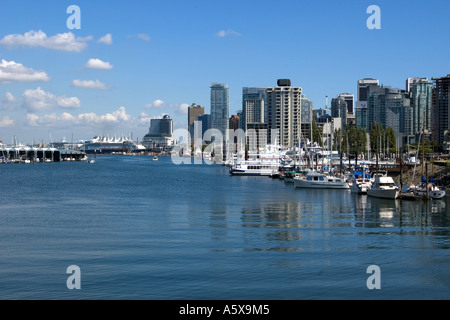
(251, 173)
(433, 194)
(359, 189)
(384, 194)
(301, 184)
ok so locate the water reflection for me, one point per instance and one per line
(319, 219)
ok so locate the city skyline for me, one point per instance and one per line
(111, 77)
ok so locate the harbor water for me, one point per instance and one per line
(144, 229)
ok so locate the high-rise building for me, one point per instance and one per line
(390, 107)
(306, 118)
(349, 100)
(421, 93)
(361, 111)
(412, 81)
(363, 87)
(234, 122)
(205, 121)
(441, 110)
(220, 107)
(194, 111)
(284, 114)
(361, 116)
(160, 134)
(339, 110)
(253, 106)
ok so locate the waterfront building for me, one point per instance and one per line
(194, 111)
(205, 121)
(410, 82)
(361, 117)
(421, 93)
(284, 114)
(349, 100)
(361, 111)
(339, 109)
(363, 87)
(233, 122)
(441, 111)
(160, 134)
(253, 106)
(392, 108)
(306, 118)
(220, 107)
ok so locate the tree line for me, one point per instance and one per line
(352, 141)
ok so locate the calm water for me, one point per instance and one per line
(140, 229)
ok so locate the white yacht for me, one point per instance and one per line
(258, 167)
(383, 187)
(318, 180)
(360, 182)
(264, 162)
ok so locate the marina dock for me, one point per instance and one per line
(26, 154)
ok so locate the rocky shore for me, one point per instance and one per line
(439, 171)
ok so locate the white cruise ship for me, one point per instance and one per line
(111, 145)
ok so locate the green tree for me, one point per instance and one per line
(317, 137)
(376, 136)
(357, 140)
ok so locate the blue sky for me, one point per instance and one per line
(134, 60)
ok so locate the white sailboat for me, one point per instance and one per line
(426, 189)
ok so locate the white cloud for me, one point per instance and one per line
(11, 71)
(39, 100)
(90, 84)
(225, 33)
(157, 104)
(9, 97)
(106, 39)
(8, 102)
(84, 119)
(98, 64)
(6, 122)
(160, 104)
(142, 36)
(62, 41)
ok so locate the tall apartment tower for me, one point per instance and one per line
(441, 109)
(392, 108)
(220, 108)
(253, 106)
(339, 110)
(421, 93)
(412, 81)
(363, 88)
(194, 111)
(284, 114)
(360, 109)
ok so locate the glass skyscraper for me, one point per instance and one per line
(421, 101)
(220, 108)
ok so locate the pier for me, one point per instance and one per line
(26, 154)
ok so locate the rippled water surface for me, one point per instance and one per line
(140, 229)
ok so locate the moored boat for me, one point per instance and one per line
(383, 187)
(255, 168)
(318, 180)
(360, 182)
(430, 191)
